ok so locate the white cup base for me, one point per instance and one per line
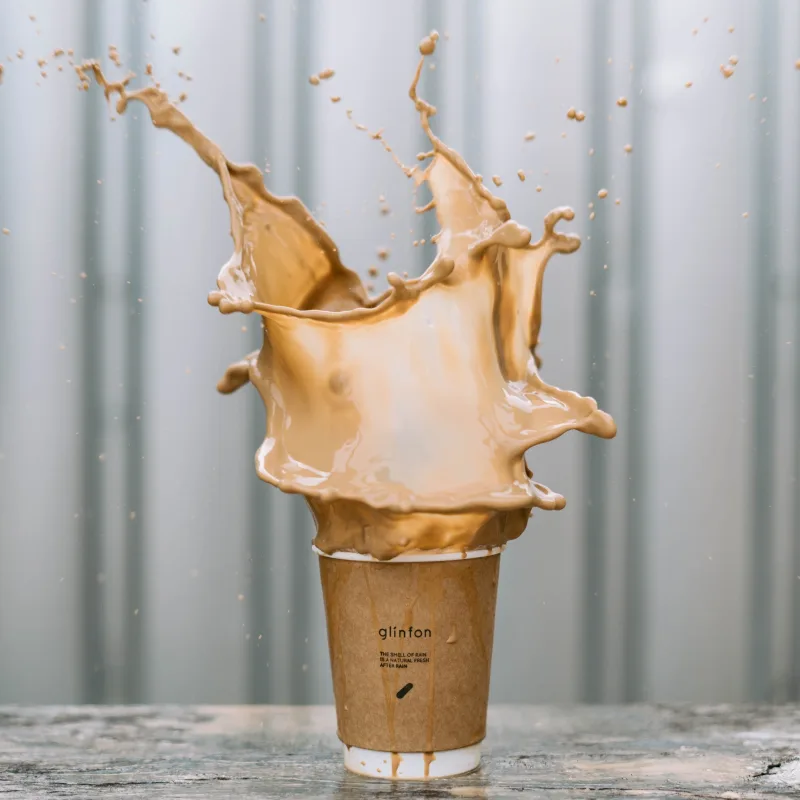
(411, 766)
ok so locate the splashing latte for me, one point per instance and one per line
(403, 418)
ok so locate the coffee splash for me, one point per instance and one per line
(403, 418)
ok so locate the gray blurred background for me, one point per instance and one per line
(141, 559)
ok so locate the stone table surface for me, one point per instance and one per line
(292, 752)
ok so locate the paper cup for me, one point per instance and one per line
(411, 648)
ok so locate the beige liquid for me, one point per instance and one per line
(404, 418)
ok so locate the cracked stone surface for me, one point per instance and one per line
(726, 752)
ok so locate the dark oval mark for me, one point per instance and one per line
(404, 691)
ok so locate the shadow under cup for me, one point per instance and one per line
(411, 648)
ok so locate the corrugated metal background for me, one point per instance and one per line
(140, 558)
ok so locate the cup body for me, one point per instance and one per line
(410, 643)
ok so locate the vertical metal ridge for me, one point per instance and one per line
(92, 594)
(5, 181)
(794, 686)
(259, 617)
(472, 70)
(794, 677)
(433, 20)
(763, 287)
(134, 546)
(9, 372)
(596, 453)
(635, 607)
(300, 549)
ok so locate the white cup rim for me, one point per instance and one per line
(405, 558)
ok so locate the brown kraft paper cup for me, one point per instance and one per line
(411, 648)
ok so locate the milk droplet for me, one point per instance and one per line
(428, 45)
